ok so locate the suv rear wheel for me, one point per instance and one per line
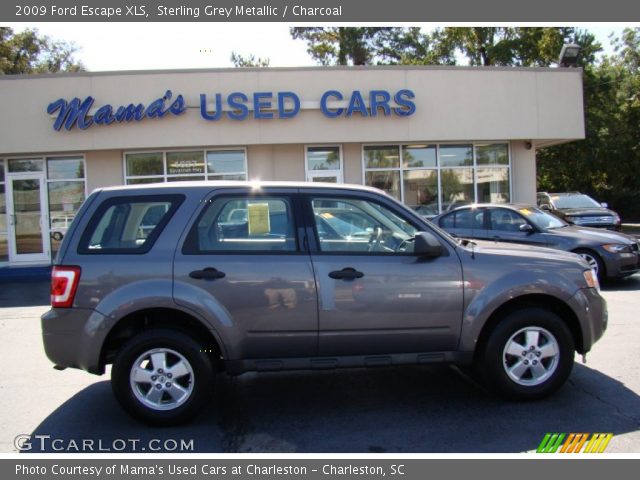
(161, 377)
(528, 355)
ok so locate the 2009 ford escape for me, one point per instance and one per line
(174, 283)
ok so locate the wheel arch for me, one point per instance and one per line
(161, 317)
(546, 302)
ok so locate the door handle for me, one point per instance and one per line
(346, 274)
(208, 273)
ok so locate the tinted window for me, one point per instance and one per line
(469, 218)
(128, 224)
(505, 220)
(240, 224)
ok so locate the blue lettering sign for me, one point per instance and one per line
(323, 104)
(71, 113)
(407, 107)
(356, 104)
(379, 99)
(259, 104)
(240, 110)
(282, 97)
(76, 113)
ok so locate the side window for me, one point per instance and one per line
(244, 224)
(469, 218)
(128, 224)
(505, 220)
(355, 225)
(448, 221)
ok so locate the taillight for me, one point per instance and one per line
(64, 283)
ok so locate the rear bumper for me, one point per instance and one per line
(73, 338)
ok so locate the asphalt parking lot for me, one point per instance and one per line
(415, 409)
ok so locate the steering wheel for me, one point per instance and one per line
(375, 239)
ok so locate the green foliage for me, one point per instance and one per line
(29, 52)
(606, 164)
(250, 61)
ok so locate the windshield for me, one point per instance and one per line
(542, 219)
(574, 201)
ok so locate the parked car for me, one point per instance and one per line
(290, 286)
(579, 209)
(610, 254)
(59, 226)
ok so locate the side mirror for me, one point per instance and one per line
(604, 205)
(427, 245)
(526, 228)
(545, 206)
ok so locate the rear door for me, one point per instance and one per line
(244, 262)
(466, 223)
(375, 296)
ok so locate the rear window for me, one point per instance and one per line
(128, 224)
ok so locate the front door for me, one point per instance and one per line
(375, 296)
(28, 219)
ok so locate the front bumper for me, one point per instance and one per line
(73, 338)
(620, 264)
(593, 316)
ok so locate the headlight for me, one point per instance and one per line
(617, 248)
(592, 279)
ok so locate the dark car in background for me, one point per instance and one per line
(610, 254)
(579, 209)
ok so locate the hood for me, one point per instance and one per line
(596, 235)
(588, 212)
(522, 250)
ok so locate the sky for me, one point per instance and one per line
(146, 46)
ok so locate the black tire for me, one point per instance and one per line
(177, 347)
(590, 256)
(493, 360)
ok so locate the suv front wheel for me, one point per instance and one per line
(161, 377)
(528, 355)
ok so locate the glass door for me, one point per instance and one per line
(28, 222)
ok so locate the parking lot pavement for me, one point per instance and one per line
(411, 409)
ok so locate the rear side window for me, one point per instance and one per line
(128, 224)
(241, 224)
(467, 218)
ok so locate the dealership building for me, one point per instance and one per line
(432, 137)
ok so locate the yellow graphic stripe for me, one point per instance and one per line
(598, 442)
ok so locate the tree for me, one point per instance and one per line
(513, 46)
(250, 61)
(606, 164)
(29, 52)
(369, 45)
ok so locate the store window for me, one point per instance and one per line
(323, 163)
(437, 177)
(4, 247)
(66, 182)
(189, 165)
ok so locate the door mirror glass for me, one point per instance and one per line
(427, 245)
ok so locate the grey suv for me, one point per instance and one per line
(175, 283)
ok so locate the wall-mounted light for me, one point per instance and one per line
(569, 55)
